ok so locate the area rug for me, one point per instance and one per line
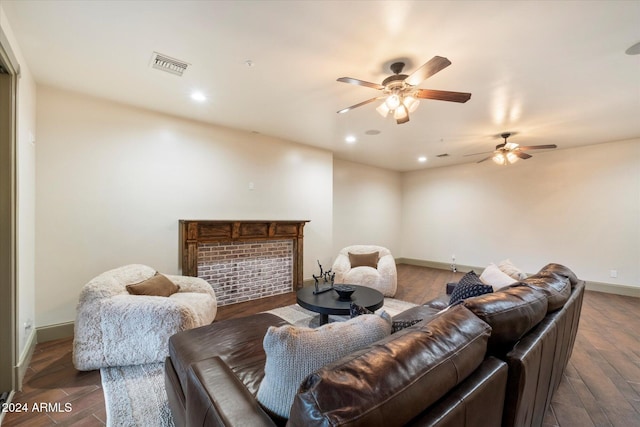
(135, 396)
(299, 316)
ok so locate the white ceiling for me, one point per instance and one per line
(554, 72)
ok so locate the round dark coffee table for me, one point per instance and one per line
(328, 302)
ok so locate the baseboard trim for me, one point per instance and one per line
(438, 265)
(25, 359)
(610, 288)
(9, 400)
(55, 332)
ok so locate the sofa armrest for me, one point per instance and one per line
(340, 267)
(387, 267)
(216, 397)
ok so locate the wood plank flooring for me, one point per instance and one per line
(600, 387)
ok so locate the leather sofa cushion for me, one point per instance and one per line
(394, 380)
(562, 271)
(423, 312)
(236, 341)
(511, 312)
(557, 288)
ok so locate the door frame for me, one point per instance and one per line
(9, 74)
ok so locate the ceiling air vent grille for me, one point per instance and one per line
(168, 64)
(443, 155)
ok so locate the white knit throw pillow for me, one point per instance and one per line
(295, 352)
(493, 276)
(507, 267)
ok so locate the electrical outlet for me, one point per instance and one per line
(252, 186)
(613, 273)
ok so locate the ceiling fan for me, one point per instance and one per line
(400, 92)
(508, 152)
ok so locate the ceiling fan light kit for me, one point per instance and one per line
(400, 92)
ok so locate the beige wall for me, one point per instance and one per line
(26, 170)
(367, 203)
(113, 181)
(579, 207)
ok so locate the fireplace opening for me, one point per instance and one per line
(243, 271)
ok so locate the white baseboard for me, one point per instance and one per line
(438, 265)
(25, 359)
(55, 332)
(609, 288)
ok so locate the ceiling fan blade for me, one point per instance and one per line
(358, 82)
(360, 104)
(523, 156)
(443, 95)
(435, 64)
(538, 147)
(475, 154)
(484, 160)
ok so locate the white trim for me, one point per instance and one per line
(25, 359)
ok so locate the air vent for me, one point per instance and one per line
(443, 155)
(168, 64)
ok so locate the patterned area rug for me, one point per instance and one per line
(135, 395)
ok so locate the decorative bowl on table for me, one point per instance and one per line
(344, 291)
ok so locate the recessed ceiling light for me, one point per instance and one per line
(198, 96)
(422, 159)
(350, 139)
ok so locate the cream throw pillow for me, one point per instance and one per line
(295, 352)
(507, 267)
(493, 276)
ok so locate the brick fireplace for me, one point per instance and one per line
(243, 260)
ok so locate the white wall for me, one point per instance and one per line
(26, 171)
(578, 207)
(113, 181)
(367, 203)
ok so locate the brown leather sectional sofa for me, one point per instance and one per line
(491, 360)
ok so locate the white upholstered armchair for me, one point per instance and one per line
(116, 328)
(359, 265)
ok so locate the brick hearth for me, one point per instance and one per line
(242, 271)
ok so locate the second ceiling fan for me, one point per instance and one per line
(401, 92)
(509, 152)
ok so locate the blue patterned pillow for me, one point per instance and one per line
(469, 286)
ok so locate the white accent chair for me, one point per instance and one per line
(115, 328)
(383, 278)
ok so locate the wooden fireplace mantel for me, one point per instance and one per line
(195, 232)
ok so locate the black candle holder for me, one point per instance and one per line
(327, 276)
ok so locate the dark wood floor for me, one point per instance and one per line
(601, 386)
